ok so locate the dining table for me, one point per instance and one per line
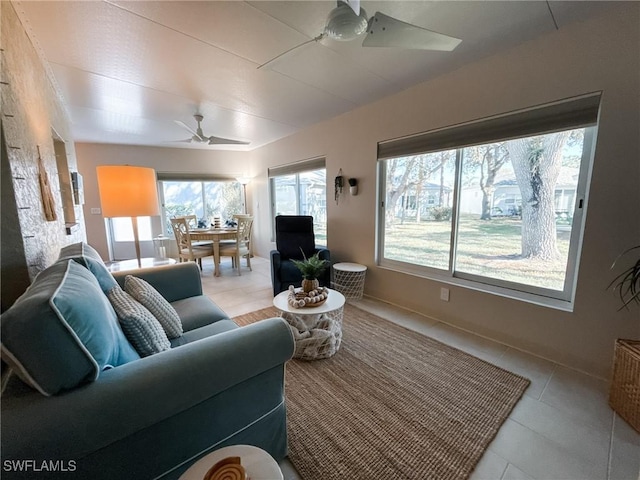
(215, 235)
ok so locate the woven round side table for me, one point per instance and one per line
(348, 279)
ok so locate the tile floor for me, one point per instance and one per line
(561, 429)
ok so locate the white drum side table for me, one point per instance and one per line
(258, 464)
(317, 331)
(348, 279)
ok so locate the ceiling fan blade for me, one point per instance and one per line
(186, 127)
(385, 31)
(225, 141)
(270, 63)
(196, 136)
(354, 4)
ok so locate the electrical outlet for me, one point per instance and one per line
(96, 211)
(444, 294)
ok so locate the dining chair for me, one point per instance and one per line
(192, 222)
(241, 247)
(186, 249)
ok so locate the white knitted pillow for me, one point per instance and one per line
(139, 325)
(155, 303)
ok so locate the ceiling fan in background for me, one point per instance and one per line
(199, 137)
(348, 21)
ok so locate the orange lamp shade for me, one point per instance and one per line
(127, 191)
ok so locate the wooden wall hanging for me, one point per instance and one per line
(45, 188)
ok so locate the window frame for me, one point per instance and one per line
(562, 300)
(296, 168)
(200, 178)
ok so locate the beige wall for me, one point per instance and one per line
(31, 113)
(601, 54)
(166, 160)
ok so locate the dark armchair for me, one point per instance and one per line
(294, 236)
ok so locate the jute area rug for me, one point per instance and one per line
(392, 404)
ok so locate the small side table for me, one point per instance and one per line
(258, 464)
(348, 279)
(133, 264)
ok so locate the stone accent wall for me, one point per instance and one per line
(32, 115)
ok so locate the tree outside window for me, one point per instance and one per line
(500, 213)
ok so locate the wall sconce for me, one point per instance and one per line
(353, 186)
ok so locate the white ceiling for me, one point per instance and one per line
(127, 70)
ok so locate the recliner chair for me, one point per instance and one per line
(294, 240)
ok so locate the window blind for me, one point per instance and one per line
(297, 167)
(193, 177)
(576, 112)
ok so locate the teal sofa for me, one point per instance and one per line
(151, 417)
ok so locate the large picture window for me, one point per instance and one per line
(301, 189)
(497, 204)
(206, 199)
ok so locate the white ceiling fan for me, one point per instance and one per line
(348, 21)
(199, 137)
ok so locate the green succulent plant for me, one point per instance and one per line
(311, 267)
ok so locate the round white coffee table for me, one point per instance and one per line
(258, 464)
(317, 331)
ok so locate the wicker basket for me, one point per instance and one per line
(624, 395)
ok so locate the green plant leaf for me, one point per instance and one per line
(311, 267)
(627, 283)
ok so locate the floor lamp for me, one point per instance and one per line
(243, 181)
(127, 191)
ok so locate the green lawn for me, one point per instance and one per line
(488, 248)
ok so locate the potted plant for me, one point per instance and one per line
(311, 268)
(624, 395)
(627, 283)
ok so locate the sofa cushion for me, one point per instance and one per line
(88, 257)
(196, 312)
(79, 249)
(139, 325)
(204, 332)
(151, 299)
(62, 331)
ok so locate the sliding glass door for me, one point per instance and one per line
(204, 199)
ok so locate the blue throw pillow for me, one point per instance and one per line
(63, 331)
(99, 270)
(88, 257)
